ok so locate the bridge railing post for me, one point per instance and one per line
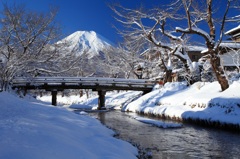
(54, 97)
(101, 99)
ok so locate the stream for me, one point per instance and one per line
(189, 141)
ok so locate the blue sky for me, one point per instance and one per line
(77, 15)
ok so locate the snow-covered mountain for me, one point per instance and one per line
(82, 41)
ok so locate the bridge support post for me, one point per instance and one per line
(145, 92)
(101, 100)
(25, 92)
(54, 97)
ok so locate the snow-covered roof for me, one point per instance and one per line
(204, 51)
(230, 44)
(226, 44)
(230, 32)
(236, 35)
(196, 48)
(188, 48)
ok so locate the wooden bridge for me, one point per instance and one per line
(101, 85)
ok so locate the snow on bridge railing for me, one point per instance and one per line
(48, 80)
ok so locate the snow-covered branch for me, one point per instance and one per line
(197, 31)
(25, 39)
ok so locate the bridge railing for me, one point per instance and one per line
(80, 80)
(101, 85)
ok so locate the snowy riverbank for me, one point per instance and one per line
(32, 129)
(203, 103)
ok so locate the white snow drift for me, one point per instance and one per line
(36, 130)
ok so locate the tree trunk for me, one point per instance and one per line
(139, 76)
(81, 92)
(218, 70)
(168, 76)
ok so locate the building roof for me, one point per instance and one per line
(233, 31)
(230, 44)
(196, 48)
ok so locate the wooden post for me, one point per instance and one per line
(101, 100)
(81, 92)
(145, 92)
(54, 97)
(25, 92)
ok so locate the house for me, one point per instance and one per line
(230, 50)
(234, 33)
(194, 52)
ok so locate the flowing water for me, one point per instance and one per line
(173, 143)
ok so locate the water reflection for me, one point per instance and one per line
(101, 117)
(187, 142)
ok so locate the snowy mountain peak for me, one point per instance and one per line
(90, 41)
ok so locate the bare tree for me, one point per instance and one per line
(167, 28)
(206, 14)
(154, 27)
(131, 62)
(28, 44)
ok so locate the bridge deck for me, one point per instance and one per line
(101, 85)
(61, 83)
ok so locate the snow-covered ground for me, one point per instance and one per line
(32, 129)
(201, 101)
(114, 100)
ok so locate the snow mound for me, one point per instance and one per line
(29, 129)
(158, 123)
(155, 97)
(202, 100)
